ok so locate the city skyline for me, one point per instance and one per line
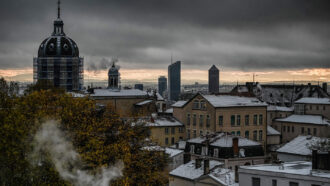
(246, 40)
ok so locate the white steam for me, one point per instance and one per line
(67, 161)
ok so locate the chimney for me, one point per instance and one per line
(198, 163)
(236, 174)
(325, 87)
(206, 166)
(186, 158)
(314, 159)
(235, 146)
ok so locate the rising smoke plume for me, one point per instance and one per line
(67, 161)
(104, 64)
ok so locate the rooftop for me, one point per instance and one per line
(179, 104)
(278, 108)
(118, 93)
(164, 122)
(299, 145)
(173, 152)
(272, 132)
(224, 140)
(145, 102)
(233, 101)
(189, 171)
(324, 101)
(298, 168)
(310, 119)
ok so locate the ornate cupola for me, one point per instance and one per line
(58, 60)
(113, 77)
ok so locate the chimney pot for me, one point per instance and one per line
(198, 163)
(235, 146)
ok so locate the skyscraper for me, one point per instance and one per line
(58, 63)
(162, 85)
(174, 81)
(213, 80)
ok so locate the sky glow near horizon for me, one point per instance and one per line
(277, 40)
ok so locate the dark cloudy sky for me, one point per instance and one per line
(236, 35)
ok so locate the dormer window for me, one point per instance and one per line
(196, 104)
(203, 105)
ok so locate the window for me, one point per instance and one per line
(260, 135)
(192, 149)
(314, 131)
(323, 107)
(274, 182)
(188, 134)
(188, 119)
(200, 133)
(271, 115)
(317, 107)
(289, 128)
(195, 134)
(180, 129)
(284, 128)
(166, 141)
(207, 120)
(260, 119)
(292, 129)
(310, 107)
(302, 130)
(201, 120)
(233, 133)
(173, 130)
(172, 140)
(238, 120)
(203, 105)
(238, 133)
(247, 119)
(255, 134)
(196, 104)
(232, 120)
(255, 181)
(247, 134)
(308, 131)
(215, 153)
(255, 119)
(166, 130)
(194, 119)
(293, 183)
(221, 120)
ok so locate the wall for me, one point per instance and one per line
(273, 140)
(321, 130)
(292, 157)
(124, 106)
(318, 109)
(157, 135)
(245, 179)
(271, 115)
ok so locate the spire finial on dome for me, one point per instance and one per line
(59, 9)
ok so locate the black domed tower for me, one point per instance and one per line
(58, 61)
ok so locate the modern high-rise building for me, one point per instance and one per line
(174, 81)
(162, 85)
(213, 80)
(58, 63)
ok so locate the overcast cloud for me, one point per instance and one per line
(242, 35)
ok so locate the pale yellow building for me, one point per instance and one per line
(274, 112)
(166, 131)
(241, 116)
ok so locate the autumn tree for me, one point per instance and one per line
(100, 137)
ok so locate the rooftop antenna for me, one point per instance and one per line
(59, 9)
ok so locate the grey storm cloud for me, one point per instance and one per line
(237, 34)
